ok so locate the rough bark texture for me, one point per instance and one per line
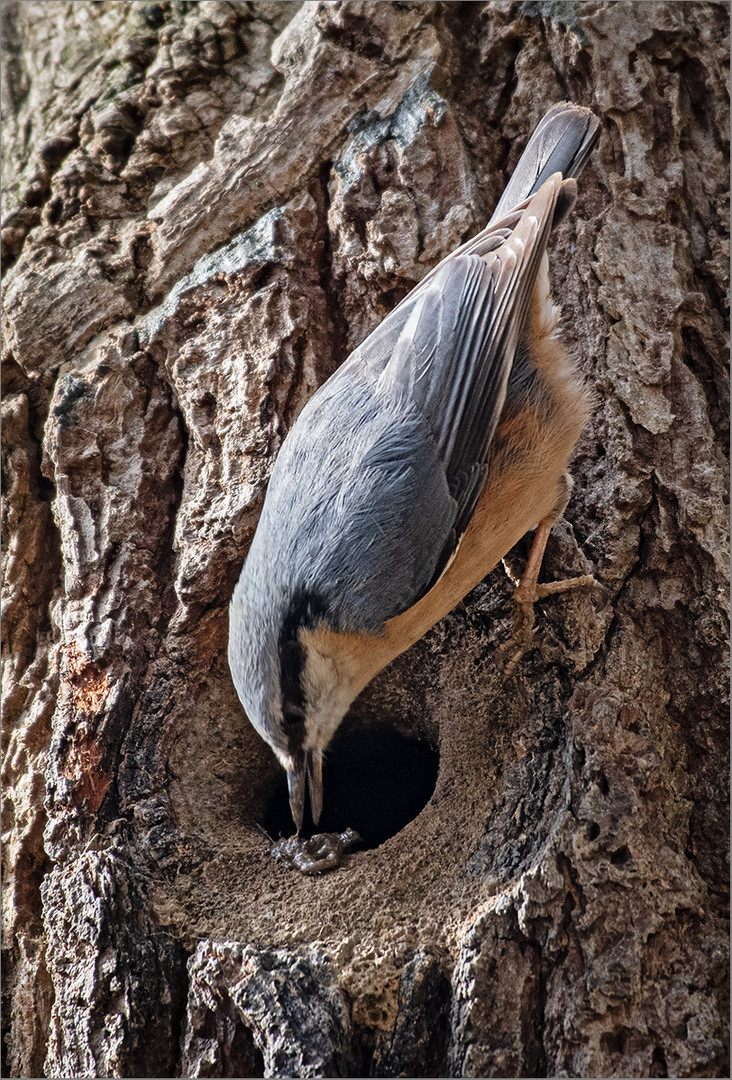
(207, 205)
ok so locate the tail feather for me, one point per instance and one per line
(562, 142)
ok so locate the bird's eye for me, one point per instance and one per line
(293, 716)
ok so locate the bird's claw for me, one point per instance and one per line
(522, 635)
(521, 639)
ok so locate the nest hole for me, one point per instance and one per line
(375, 780)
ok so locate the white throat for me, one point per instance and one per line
(329, 690)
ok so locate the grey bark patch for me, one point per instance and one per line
(97, 927)
(298, 1020)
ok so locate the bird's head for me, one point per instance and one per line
(287, 674)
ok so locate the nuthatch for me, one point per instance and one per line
(440, 442)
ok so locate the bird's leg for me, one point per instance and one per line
(528, 591)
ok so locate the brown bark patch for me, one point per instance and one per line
(89, 685)
(81, 764)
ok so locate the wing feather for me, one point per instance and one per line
(454, 354)
(561, 144)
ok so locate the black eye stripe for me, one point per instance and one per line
(305, 610)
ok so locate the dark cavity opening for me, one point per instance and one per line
(375, 780)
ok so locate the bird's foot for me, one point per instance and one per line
(525, 596)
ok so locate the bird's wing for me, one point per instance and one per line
(375, 352)
(454, 355)
(405, 449)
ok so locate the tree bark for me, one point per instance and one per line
(206, 207)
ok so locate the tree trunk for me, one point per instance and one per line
(208, 205)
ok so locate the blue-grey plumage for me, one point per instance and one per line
(374, 493)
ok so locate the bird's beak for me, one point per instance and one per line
(308, 771)
(315, 783)
(296, 789)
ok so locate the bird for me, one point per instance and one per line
(440, 441)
